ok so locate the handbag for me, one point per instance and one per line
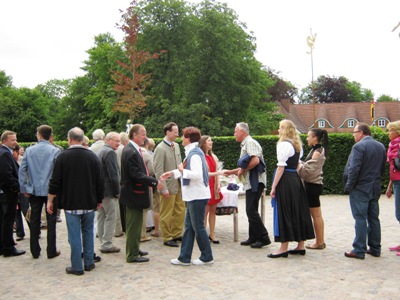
(397, 161)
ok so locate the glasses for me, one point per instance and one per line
(356, 131)
(118, 141)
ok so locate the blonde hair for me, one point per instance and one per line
(394, 126)
(288, 132)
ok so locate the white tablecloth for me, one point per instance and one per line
(231, 198)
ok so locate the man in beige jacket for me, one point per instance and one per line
(167, 157)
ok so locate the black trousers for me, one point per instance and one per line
(257, 230)
(8, 203)
(36, 204)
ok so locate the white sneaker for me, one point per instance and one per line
(177, 262)
(199, 262)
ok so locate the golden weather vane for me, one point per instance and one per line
(310, 42)
(396, 28)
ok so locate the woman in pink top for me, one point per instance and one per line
(394, 183)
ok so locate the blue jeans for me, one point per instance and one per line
(80, 225)
(194, 227)
(365, 210)
(396, 190)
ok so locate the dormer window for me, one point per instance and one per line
(351, 123)
(382, 123)
(321, 124)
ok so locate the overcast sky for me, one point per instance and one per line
(46, 39)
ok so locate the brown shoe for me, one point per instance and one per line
(316, 247)
(351, 254)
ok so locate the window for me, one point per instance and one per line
(382, 123)
(321, 124)
(350, 123)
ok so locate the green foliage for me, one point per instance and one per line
(386, 98)
(335, 89)
(22, 110)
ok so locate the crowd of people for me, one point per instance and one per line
(107, 189)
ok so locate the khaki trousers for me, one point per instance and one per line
(172, 216)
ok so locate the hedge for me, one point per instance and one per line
(340, 144)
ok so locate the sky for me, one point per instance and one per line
(47, 39)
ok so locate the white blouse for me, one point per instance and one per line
(284, 150)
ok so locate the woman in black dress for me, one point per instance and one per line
(294, 220)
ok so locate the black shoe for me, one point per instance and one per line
(143, 253)
(260, 244)
(19, 238)
(300, 252)
(178, 239)
(213, 241)
(283, 254)
(58, 252)
(14, 252)
(247, 242)
(171, 243)
(69, 270)
(139, 259)
(373, 253)
(90, 267)
(96, 258)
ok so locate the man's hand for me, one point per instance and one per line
(240, 172)
(50, 199)
(50, 206)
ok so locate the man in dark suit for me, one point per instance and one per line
(362, 178)
(9, 189)
(135, 185)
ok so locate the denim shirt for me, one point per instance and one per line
(36, 168)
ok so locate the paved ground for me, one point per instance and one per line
(238, 272)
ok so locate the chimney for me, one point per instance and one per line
(286, 104)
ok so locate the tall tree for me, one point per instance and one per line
(130, 83)
(101, 96)
(335, 89)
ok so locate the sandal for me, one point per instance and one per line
(318, 247)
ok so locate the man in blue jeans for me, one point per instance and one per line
(78, 182)
(362, 179)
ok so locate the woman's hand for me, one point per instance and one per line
(272, 193)
(389, 193)
(166, 175)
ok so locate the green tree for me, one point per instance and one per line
(22, 110)
(386, 98)
(72, 110)
(101, 96)
(5, 81)
(209, 64)
(335, 89)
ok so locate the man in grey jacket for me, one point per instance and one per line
(106, 219)
(362, 179)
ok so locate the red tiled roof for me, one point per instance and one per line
(336, 115)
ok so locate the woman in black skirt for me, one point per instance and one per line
(292, 211)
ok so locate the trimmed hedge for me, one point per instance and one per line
(340, 144)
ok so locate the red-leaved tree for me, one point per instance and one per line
(129, 83)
